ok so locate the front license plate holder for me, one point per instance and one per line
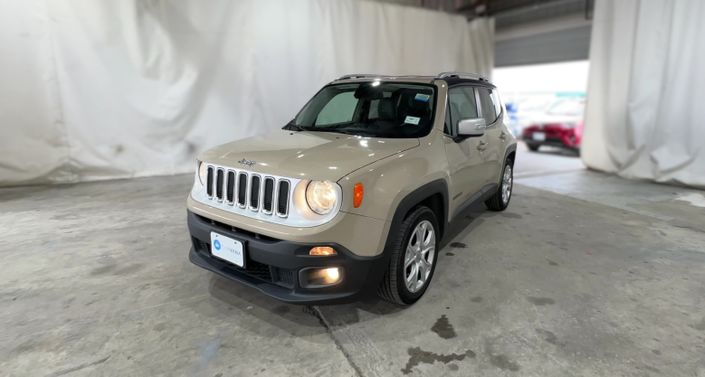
(228, 249)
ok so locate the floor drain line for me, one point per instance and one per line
(314, 311)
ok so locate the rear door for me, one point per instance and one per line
(464, 154)
(496, 135)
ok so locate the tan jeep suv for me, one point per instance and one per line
(355, 193)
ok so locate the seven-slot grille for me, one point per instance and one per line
(259, 193)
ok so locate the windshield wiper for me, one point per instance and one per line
(352, 132)
(294, 127)
(340, 129)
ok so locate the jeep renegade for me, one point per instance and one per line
(355, 193)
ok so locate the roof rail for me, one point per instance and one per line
(358, 76)
(462, 75)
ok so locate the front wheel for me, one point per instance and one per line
(500, 200)
(413, 257)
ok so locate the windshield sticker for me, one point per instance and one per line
(422, 97)
(412, 120)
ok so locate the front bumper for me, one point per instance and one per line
(273, 265)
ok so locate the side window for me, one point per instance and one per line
(489, 111)
(498, 107)
(374, 109)
(447, 129)
(340, 109)
(462, 104)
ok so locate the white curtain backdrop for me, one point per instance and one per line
(645, 116)
(108, 89)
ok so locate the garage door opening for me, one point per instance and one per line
(545, 104)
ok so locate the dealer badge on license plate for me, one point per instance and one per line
(228, 249)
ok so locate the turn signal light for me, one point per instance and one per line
(322, 251)
(358, 194)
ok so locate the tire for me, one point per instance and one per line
(498, 202)
(394, 287)
(533, 147)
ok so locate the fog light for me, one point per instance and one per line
(320, 277)
(331, 275)
(322, 251)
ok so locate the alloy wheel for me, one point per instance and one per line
(507, 184)
(419, 256)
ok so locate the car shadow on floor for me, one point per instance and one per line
(463, 224)
(555, 151)
(241, 300)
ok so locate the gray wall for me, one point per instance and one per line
(553, 46)
(442, 5)
(551, 31)
(545, 32)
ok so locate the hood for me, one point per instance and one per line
(306, 155)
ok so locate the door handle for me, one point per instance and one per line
(482, 145)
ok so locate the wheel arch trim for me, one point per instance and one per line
(510, 149)
(412, 199)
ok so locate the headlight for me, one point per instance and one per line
(202, 173)
(321, 196)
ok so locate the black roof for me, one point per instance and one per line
(452, 81)
(452, 78)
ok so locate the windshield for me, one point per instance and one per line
(379, 109)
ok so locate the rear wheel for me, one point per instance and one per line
(413, 258)
(500, 200)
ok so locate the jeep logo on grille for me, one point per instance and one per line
(248, 163)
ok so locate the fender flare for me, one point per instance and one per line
(438, 186)
(511, 148)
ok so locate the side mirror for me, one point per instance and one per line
(472, 127)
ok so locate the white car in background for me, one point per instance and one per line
(524, 110)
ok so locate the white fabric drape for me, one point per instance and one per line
(107, 89)
(645, 116)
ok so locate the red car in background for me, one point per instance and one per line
(561, 126)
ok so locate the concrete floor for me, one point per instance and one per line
(584, 275)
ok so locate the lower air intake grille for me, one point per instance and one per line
(252, 268)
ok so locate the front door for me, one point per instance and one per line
(465, 155)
